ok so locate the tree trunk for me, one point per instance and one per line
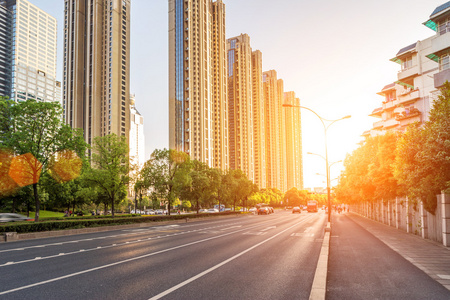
(36, 199)
(112, 207)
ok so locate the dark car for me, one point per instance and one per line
(296, 210)
(13, 218)
(263, 211)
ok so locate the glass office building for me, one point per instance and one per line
(27, 52)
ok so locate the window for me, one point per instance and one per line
(407, 63)
(444, 62)
(444, 26)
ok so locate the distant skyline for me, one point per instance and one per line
(333, 54)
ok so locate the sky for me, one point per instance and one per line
(334, 54)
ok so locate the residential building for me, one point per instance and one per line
(96, 75)
(240, 105)
(425, 66)
(259, 142)
(440, 43)
(294, 157)
(219, 88)
(197, 80)
(273, 136)
(282, 135)
(137, 138)
(27, 52)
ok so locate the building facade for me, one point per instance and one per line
(27, 52)
(219, 89)
(282, 135)
(96, 72)
(137, 138)
(259, 141)
(424, 68)
(440, 43)
(197, 80)
(293, 142)
(272, 124)
(240, 105)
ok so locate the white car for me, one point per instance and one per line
(212, 210)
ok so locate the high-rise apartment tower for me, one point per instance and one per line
(272, 114)
(259, 142)
(97, 66)
(294, 158)
(240, 104)
(197, 80)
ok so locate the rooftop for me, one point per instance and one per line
(440, 9)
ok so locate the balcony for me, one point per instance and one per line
(390, 104)
(377, 112)
(408, 114)
(408, 96)
(440, 42)
(390, 123)
(378, 124)
(410, 72)
(441, 77)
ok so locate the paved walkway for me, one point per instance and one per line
(431, 257)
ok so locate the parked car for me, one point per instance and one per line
(202, 210)
(296, 210)
(159, 212)
(7, 217)
(253, 209)
(263, 211)
(212, 210)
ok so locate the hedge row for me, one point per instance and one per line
(72, 223)
(87, 217)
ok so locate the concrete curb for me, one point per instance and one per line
(319, 286)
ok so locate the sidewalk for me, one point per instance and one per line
(429, 256)
(363, 265)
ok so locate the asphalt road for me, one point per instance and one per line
(251, 257)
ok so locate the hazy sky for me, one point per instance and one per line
(334, 54)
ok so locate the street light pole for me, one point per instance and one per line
(325, 127)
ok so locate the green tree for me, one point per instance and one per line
(381, 170)
(203, 186)
(110, 168)
(422, 164)
(167, 173)
(37, 128)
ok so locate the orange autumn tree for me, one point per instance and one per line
(35, 133)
